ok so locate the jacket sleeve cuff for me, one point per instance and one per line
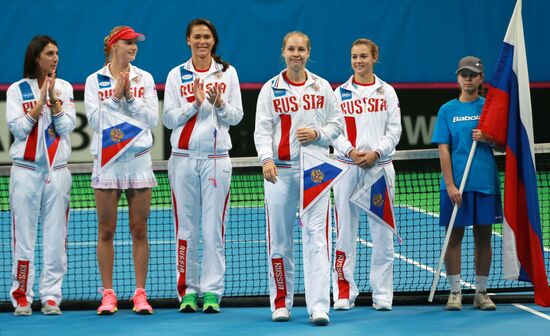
(31, 120)
(348, 150)
(264, 158)
(318, 134)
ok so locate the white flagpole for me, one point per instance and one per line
(452, 222)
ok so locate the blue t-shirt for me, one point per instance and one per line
(453, 126)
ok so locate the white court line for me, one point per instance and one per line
(546, 249)
(496, 233)
(155, 242)
(417, 264)
(417, 210)
(412, 261)
(531, 310)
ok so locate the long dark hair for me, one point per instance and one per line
(207, 23)
(35, 47)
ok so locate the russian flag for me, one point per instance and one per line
(318, 173)
(375, 198)
(118, 133)
(507, 118)
(52, 140)
(380, 203)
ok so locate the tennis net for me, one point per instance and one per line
(416, 212)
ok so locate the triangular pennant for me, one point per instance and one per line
(317, 175)
(51, 140)
(118, 133)
(375, 198)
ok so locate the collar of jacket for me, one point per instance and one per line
(280, 83)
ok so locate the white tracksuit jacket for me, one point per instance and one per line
(38, 191)
(373, 123)
(98, 96)
(200, 172)
(282, 108)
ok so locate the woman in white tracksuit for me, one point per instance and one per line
(202, 100)
(373, 128)
(40, 115)
(295, 108)
(122, 91)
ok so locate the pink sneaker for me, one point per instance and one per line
(108, 303)
(141, 306)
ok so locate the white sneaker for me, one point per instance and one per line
(319, 318)
(454, 302)
(50, 308)
(343, 304)
(483, 301)
(23, 310)
(280, 315)
(382, 306)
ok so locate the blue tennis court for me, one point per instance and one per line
(402, 320)
(415, 262)
(246, 275)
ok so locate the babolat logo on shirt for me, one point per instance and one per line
(103, 81)
(186, 75)
(466, 118)
(346, 94)
(279, 92)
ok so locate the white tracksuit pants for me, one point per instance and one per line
(196, 200)
(347, 224)
(31, 199)
(281, 201)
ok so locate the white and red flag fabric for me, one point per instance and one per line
(507, 117)
(317, 175)
(118, 133)
(51, 139)
(375, 198)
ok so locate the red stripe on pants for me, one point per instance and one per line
(223, 214)
(20, 294)
(175, 208)
(280, 282)
(351, 129)
(182, 261)
(284, 143)
(343, 284)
